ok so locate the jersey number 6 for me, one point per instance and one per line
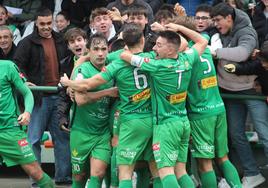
(140, 79)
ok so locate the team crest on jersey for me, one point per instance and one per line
(23, 142)
(156, 146)
(74, 153)
(146, 60)
(103, 69)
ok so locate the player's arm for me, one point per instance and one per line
(83, 85)
(200, 42)
(19, 84)
(82, 98)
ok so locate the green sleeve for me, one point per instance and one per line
(16, 80)
(109, 72)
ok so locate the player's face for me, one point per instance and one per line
(77, 46)
(102, 23)
(138, 19)
(223, 24)
(202, 21)
(161, 48)
(61, 22)
(98, 52)
(3, 16)
(265, 2)
(44, 26)
(5, 39)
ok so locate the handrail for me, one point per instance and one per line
(55, 89)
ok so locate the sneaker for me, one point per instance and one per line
(223, 183)
(252, 181)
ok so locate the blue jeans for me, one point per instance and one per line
(236, 115)
(45, 117)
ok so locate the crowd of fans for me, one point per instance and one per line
(48, 38)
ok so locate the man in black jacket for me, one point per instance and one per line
(38, 56)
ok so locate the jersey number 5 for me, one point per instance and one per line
(207, 62)
(140, 79)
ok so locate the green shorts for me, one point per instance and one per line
(14, 147)
(83, 146)
(170, 143)
(135, 141)
(209, 137)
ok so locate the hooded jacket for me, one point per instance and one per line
(238, 45)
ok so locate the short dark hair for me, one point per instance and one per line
(132, 34)
(64, 14)
(171, 37)
(97, 37)
(204, 8)
(137, 9)
(43, 12)
(222, 9)
(72, 33)
(163, 14)
(98, 12)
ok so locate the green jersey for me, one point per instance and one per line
(134, 89)
(170, 80)
(204, 99)
(11, 79)
(92, 118)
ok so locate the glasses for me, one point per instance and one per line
(201, 17)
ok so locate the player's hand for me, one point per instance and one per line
(172, 27)
(30, 84)
(231, 68)
(24, 118)
(115, 14)
(114, 141)
(179, 10)
(126, 56)
(113, 92)
(70, 92)
(157, 27)
(64, 80)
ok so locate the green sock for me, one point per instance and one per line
(143, 177)
(45, 182)
(170, 181)
(157, 183)
(114, 170)
(125, 184)
(186, 182)
(79, 184)
(208, 179)
(94, 182)
(230, 174)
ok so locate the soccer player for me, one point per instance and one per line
(207, 117)
(90, 134)
(14, 147)
(135, 134)
(171, 73)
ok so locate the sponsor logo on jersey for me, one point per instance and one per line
(209, 82)
(103, 69)
(23, 142)
(145, 94)
(173, 155)
(128, 153)
(146, 60)
(74, 153)
(156, 147)
(206, 148)
(177, 98)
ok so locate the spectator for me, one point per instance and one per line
(62, 22)
(6, 43)
(123, 5)
(29, 9)
(101, 22)
(38, 57)
(4, 21)
(258, 67)
(239, 39)
(260, 20)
